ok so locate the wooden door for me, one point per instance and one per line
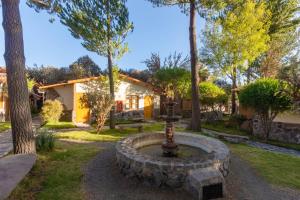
(82, 112)
(148, 107)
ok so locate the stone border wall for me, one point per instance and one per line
(160, 172)
(284, 132)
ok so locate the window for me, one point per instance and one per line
(132, 102)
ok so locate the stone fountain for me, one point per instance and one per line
(195, 162)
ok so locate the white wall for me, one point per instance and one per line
(66, 95)
(127, 88)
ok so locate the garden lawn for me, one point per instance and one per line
(57, 174)
(107, 135)
(279, 169)
(4, 126)
(59, 125)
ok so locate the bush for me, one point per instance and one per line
(267, 97)
(211, 95)
(52, 111)
(44, 141)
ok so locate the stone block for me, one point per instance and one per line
(202, 183)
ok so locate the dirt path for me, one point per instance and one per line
(103, 180)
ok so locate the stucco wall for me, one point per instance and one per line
(288, 117)
(66, 95)
(127, 88)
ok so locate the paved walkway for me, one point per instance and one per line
(246, 140)
(12, 170)
(6, 145)
(273, 148)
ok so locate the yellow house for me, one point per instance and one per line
(133, 96)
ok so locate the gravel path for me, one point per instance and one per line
(103, 181)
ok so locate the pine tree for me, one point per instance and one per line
(22, 133)
(102, 25)
(191, 7)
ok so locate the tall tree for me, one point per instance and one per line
(102, 25)
(191, 7)
(284, 21)
(22, 133)
(236, 40)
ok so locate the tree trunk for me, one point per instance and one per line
(112, 124)
(196, 123)
(23, 138)
(233, 92)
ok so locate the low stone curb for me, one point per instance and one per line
(246, 140)
(227, 137)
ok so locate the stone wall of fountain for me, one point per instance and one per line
(163, 171)
(159, 159)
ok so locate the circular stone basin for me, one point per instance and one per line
(140, 156)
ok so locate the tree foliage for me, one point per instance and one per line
(173, 81)
(83, 67)
(234, 41)
(267, 97)
(212, 95)
(284, 20)
(291, 74)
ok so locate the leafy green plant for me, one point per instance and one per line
(52, 111)
(45, 140)
(267, 97)
(212, 95)
(173, 81)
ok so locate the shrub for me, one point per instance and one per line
(211, 95)
(97, 98)
(267, 97)
(44, 141)
(51, 111)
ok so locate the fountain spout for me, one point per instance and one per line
(169, 147)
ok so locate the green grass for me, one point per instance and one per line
(279, 169)
(57, 174)
(4, 126)
(59, 125)
(220, 127)
(107, 135)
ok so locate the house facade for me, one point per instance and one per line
(133, 98)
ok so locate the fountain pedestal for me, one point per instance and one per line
(169, 147)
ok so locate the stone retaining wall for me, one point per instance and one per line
(284, 132)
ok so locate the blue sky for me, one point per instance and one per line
(163, 30)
